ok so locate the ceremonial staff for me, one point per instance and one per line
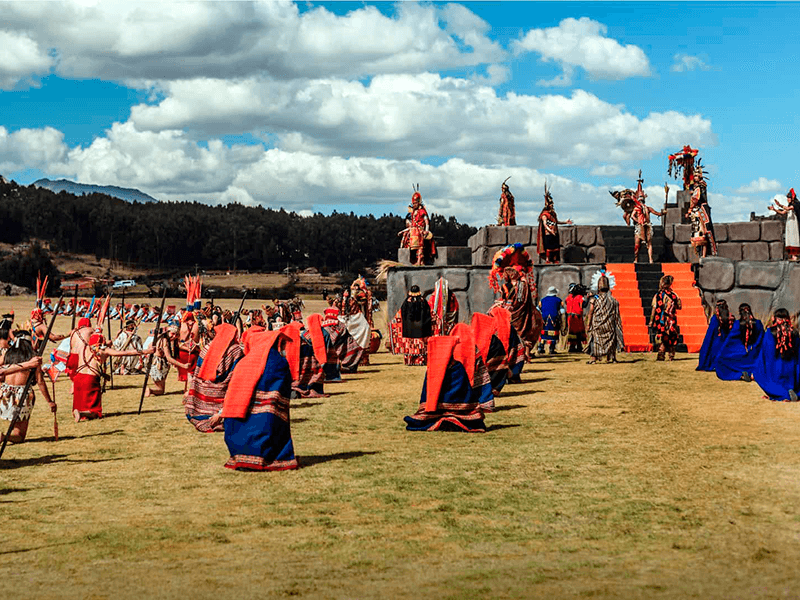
(122, 312)
(110, 361)
(236, 315)
(155, 342)
(31, 377)
(74, 306)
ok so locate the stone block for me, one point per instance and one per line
(587, 273)
(669, 232)
(573, 254)
(495, 236)
(721, 232)
(424, 277)
(776, 250)
(692, 256)
(755, 251)
(596, 254)
(458, 279)
(681, 252)
(759, 300)
(771, 231)
(683, 197)
(599, 241)
(788, 294)
(585, 235)
(566, 235)
(482, 256)
(396, 291)
(683, 234)
(732, 250)
(749, 231)
(534, 256)
(481, 296)
(560, 277)
(716, 274)
(521, 234)
(452, 255)
(478, 240)
(464, 312)
(404, 256)
(674, 216)
(759, 274)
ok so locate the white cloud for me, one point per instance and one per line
(416, 116)
(30, 148)
(124, 40)
(20, 58)
(583, 43)
(606, 171)
(686, 62)
(762, 184)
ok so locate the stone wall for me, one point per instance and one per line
(764, 285)
(579, 243)
(749, 240)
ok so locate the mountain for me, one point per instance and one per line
(78, 189)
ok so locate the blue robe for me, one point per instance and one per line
(551, 317)
(460, 406)
(262, 441)
(776, 375)
(733, 358)
(712, 344)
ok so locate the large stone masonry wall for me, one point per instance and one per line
(749, 240)
(765, 285)
(579, 243)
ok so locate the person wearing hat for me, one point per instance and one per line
(552, 309)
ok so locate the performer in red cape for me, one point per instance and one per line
(548, 241)
(576, 328)
(507, 216)
(256, 407)
(417, 236)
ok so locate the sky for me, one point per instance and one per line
(316, 107)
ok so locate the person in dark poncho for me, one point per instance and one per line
(737, 356)
(664, 318)
(411, 328)
(718, 329)
(776, 369)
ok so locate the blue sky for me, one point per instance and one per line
(341, 106)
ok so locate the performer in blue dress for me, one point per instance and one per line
(738, 355)
(776, 370)
(718, 329)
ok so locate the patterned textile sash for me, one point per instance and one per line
(10, 396)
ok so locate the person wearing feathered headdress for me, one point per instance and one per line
(699, 215)
(639, 215)
(548, 241)
(776, 369)
(507, 215)
(417, 236)
(792, 228)
(603, 320)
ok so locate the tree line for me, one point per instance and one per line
(162, 235)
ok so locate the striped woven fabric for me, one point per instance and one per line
(204, 398)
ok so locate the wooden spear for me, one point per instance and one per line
(155, 342)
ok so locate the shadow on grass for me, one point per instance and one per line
(305, 405)
(50, 459)
(72, 437)
(505, 394)
(21, 550)
(133, 412)
(501, 426)
(6, 491)
(509, 407)
(311, 460)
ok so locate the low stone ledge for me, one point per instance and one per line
(716, 274)
(744, 232)
(452, 255)
(767, 275)
(520, 234)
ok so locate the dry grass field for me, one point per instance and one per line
(635, 480)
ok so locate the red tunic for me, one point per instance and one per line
(87, 395)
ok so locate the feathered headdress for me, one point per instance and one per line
(514, 256)
(416, 195)
(194, 288)
(603, 272)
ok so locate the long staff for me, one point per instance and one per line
(110, 362)
(122, 312)
(236, 315)
(75, 306)
(155, 342)
(31, 377)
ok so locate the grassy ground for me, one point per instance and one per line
(636, 480)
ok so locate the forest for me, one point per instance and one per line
(173, 235)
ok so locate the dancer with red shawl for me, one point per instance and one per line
(777, 370)
(514, 348)
(457, 390)
(256, 406)
(212, 375)
(664, 318)
(548, 241)
(417, 236)
(491, 350)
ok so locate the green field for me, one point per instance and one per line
(635, 480)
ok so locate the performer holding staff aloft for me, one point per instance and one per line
(792, 212)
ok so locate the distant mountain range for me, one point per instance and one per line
(65, 185)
